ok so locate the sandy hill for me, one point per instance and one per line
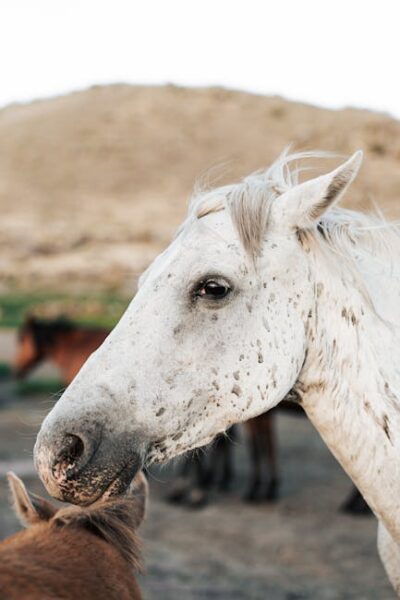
(93, 184)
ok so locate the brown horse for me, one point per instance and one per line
(60, 341)
(69, 345)
(73, 552)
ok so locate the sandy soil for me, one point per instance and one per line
(93, 184)
(300, 548)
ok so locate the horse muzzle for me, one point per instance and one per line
(80, 466)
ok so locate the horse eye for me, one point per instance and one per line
(213, 289)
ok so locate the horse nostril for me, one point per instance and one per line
(74, 446)
(68, 457)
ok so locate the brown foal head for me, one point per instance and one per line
(74, 549)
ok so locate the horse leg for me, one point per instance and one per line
(268, 441)
(389, 551)
(355, 504)
(197, 496)
(181, 485)
(227, 467)
(225, 456)
(255, 456)
(225, 478)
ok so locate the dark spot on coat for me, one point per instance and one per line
(160, 412)
(236, 390)
(294, 396)
(353, 319)
(349, 316)
(314, 386)
(386, 429)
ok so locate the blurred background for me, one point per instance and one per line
(109, 113)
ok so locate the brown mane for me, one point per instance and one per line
(114, 520)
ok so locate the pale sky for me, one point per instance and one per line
(328, 52)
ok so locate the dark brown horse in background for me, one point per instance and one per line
(60, 341)
(68, 345)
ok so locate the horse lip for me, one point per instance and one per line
(117, 486)
(122, 481)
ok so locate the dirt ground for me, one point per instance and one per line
(299, 548)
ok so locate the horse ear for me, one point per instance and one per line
(303, 206)
(30, 508)
(139, 491)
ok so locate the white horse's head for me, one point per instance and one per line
(216, 334)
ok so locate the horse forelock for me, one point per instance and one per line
(112, 520)
(248, 201)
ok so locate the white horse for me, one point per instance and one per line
(266, 288)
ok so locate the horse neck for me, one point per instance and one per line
(349, 389)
